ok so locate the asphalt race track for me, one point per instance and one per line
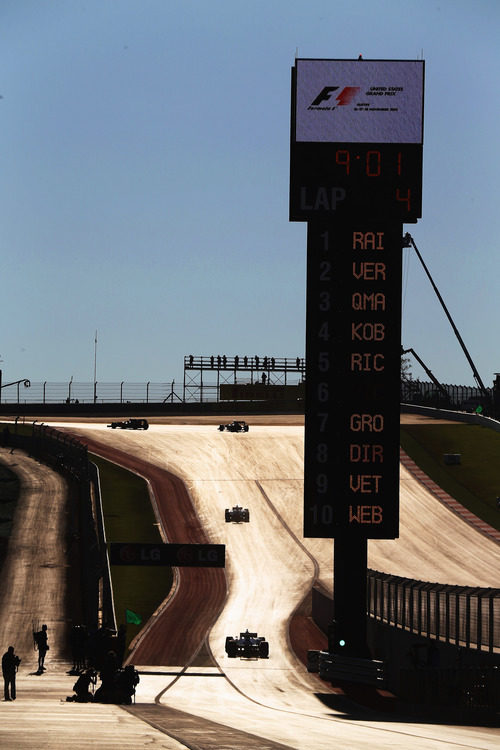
(219, 703)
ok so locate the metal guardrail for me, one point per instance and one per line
(335, 667)
(106, 603)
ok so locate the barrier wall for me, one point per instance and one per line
(456, 416)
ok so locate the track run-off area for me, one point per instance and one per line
(270, 569)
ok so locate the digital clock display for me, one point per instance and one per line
(369, 162)
(336, 180)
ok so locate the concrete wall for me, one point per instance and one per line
(241, 408)
(456, 416)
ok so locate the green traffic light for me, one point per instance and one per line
(341, 642)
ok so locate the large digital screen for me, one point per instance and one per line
(356, 139)
(359, 101)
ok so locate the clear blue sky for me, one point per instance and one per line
(144, 180)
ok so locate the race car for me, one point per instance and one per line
(237, 514)
(130, 424)
(248, 645)
(236, 426)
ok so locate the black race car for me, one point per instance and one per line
(247, 645)
(237, 514)
(236, 426)
(130, 424)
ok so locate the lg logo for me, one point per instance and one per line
(344, 97)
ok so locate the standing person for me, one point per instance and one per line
(10, 663)
(78, 648)
(43, 647)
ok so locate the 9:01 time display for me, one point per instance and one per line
(341, 180)
(370, 161)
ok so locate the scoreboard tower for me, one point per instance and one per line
(355, 178)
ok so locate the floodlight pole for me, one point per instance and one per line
(25, 381)
(95, 368)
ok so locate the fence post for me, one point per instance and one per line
(447, 616)
(369, 593)
(403, 605)
(479, 622)
(491, 622)
(382, 600)
(467, 618)
(437, 612)
(428, 624)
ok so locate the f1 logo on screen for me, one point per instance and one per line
(345, 97)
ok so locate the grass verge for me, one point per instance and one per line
(475, 482)
(129, 517)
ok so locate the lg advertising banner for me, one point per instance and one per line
(178, 555)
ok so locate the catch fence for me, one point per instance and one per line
(461, 397)
(204, 385)
(467, 617)
(90, 393)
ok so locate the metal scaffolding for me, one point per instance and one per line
(203, 375)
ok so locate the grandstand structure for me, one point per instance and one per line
(242, 378)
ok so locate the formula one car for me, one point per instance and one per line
(234, 427)
(247, 645)
(237, 514)
(130, 424)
